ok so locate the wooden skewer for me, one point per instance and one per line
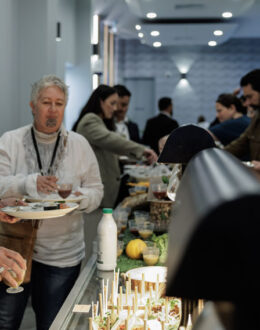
(118, 306)
(134, 304)
(121, 297)
(128, 310)
(126, 293)
(145, 324)
(142, 286)
(126, 323)
(108, 323)
(150, 291)
(90, 323)
(101, 305)
(105, 298)
(157, 287)
(112, 293)
(163, 325)
(130, 284)
(166, 310)
(200, 305)
(146, 312)
(136, 295)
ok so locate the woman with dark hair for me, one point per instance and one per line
(232, 119)
(96, 124)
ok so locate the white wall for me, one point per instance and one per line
(78, 74)
(8, 65)
(29, 50)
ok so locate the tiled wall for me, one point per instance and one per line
(211, 71)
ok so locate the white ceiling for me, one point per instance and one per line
(182, 22)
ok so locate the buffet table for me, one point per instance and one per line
(85, 291)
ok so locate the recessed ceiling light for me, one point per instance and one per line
(218, 33)
(140, 34)
(151, 15)
(155, 33)
(227, 14)
(138, 27)
(157, 44)
(212, 43)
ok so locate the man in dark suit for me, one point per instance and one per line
(160, 125)
(124, 126)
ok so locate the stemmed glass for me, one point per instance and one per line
(64, 189)
(65, 186)
(18, 288)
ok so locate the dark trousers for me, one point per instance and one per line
(49, 288)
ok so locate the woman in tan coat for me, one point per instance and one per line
(96, 124)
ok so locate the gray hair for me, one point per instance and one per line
(48, 81)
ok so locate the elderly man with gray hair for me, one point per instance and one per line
(32, 159)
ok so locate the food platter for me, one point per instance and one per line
(39, 210)
(150, 273)
(55, 198)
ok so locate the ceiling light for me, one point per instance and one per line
(151, 15)
(155, 33)
(95, 30)
(140, 34)
(157, 44)
(138, 27)
(227, 14)
(212, 43)
(218, 33)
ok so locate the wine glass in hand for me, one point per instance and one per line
(64, 189)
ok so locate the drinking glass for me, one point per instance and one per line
(159, 190)
(64, 189)
(145, 229)
(141, 216)
(18, 288)
(151, 255)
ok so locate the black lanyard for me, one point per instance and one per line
(38, 154)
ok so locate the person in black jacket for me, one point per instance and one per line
(124, 126)
(160, 125)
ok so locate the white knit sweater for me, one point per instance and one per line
(60, 241)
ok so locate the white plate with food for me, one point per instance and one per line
(55, 198)
(41, 210)
(150, 273)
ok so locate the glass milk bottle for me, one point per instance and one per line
(106, 241)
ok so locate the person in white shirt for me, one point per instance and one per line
(32, 159)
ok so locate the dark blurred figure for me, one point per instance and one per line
(249, 141)
(160, 125)
(232, 116)
(214, 122)
(201, 121)
(124, 126)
